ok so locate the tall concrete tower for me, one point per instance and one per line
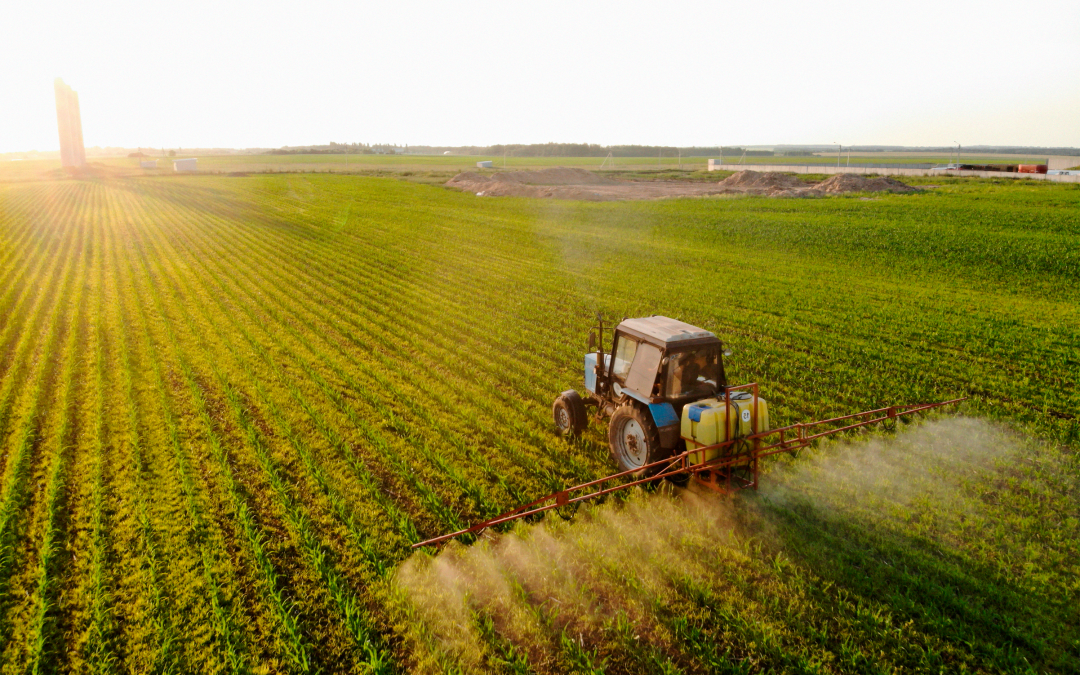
(72, 153)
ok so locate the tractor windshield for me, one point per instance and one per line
(693, 374)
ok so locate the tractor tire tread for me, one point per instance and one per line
(644, 419)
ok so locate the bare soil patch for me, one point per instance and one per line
(762, 180)
(846, 182)
(558, 175)
(572, 183)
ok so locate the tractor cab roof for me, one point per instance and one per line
(665, 332)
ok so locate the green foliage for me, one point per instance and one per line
(228, 407)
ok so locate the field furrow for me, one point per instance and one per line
(304, 528)
(40, 454)
(24, 342)
(394, 346)
(260, 543)
(21, 222)
(88, 596)
(382, 410)
(149, 632)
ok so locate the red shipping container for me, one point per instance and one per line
(1032, 168)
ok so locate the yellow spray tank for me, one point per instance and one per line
(713, 420)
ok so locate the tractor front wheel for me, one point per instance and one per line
(569, 413)
(634, 440)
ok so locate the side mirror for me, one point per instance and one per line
(592, 342)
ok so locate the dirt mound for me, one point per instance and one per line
(847, 182)
(467, 178)
(519, 182)
(568, 183)
(558, 175)
(773, 184)
(559, 182)
(762, 180)
(798, 193)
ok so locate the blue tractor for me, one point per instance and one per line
(673, 415)
(663, 387)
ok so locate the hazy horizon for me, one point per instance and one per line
(317, 148)
(261, 76)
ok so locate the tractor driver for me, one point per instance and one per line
(688, 369)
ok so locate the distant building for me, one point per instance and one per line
(69, 122)
(484, 165)
(1058, 162)
(148, 163)
(185, 164)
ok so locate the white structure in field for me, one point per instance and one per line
(148, 164)
(69, 122)
(185, 164)
(484, 165)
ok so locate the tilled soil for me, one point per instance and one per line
(846, 182)
(566, 183)
(579, 184)
(762, 180)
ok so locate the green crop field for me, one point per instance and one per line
(228, 405)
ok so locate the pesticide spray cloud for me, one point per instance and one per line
(600, 577)
(927, 462)
(559, 581)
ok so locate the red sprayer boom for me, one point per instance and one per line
(734, 465)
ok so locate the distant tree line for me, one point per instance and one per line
(533, 150)
(587, 150)
(593, 150)
(338, 149)
(517, 150)
(987, 149)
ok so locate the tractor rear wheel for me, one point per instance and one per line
(634, 440)
(569, 414)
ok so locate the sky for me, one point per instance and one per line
(199, 74)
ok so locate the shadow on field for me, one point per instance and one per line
(960, 600)
(931, 550)
(220, 203)
(959, 525)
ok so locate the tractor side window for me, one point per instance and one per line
(624, 356)
(642, 375)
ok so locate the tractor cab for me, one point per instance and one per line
(660, 378)
(657, 359)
